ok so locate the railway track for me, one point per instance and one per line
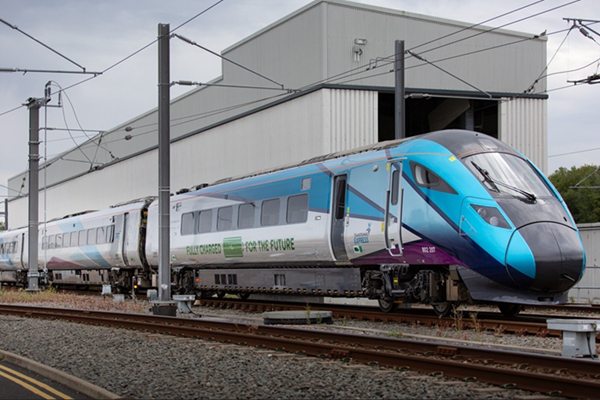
(527, 324)
(576, 378)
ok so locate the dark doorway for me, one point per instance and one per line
(437, 113)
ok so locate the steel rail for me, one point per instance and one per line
(521, 325)
(463, 362)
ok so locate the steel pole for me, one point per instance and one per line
(400, 109)
(164, 184)
(34, 158)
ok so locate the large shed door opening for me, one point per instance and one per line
(425, 115)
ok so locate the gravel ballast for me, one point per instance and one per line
(152, 366)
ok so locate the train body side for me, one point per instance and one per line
(443, 218)
(81, 249)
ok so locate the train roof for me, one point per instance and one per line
(372, 147)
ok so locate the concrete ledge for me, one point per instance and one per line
(63, 378)
(297, 317)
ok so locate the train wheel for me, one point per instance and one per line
(387, 304)
(221, 293)
(243, 296)
(510, 310)
(443, 309)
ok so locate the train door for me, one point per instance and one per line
(393, 210)
(374, 204)
(120, 239)
(339, 217)
(126, 238)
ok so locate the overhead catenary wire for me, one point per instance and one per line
(478, 24)
(42, 43)
(123, 59)
(574, 152)
(532, 87)
(144, 47)
(500, 27)
(226, 59)
(188, 119)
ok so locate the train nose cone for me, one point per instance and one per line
(545, 257)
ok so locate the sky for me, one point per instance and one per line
(97, 35)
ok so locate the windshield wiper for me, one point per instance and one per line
(493, 182)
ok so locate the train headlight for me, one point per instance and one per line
(491, 215)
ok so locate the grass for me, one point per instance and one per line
(53, 298)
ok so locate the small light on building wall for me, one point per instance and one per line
(357, 49)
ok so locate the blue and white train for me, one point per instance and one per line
(443, 218)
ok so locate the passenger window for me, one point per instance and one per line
(66, 240)
(246, 216)
(58, 241)
(51, 241)
(340, 199)
(427, 179)
(100, 236)
(306, 184)
(82, 238)
(205, 221)
(110, 234)
(224, 218)
(187, 224)
(297, 209)
(44, 243)
(395, 187)
(74, 236)
(270, 212)
(91, 236)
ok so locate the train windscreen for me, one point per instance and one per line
(504, 173)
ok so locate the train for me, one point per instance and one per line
(441, 219)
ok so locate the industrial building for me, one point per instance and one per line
(331, 88)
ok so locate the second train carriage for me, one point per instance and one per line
(88, 249)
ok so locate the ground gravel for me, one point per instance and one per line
(151, 366)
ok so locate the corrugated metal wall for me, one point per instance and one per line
(523, 125)
(588, 289)
(353, 119)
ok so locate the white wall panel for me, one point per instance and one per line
(353, 119)
(523, 125)
(127, 180)
(588, 289)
